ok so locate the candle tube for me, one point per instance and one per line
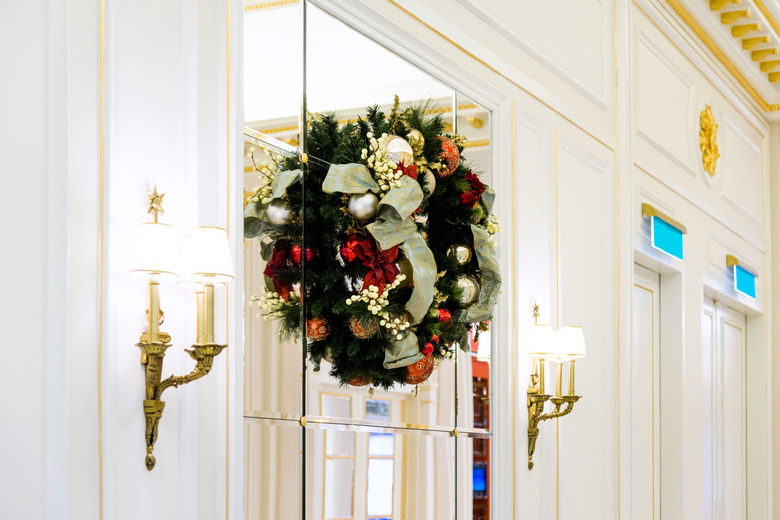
(558, 377)
(571, 377)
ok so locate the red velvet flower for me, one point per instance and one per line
(382, 269)
(470, 198)
(348, 248)
(435, 338)
(278, 262)
(410, 170)
(428, 348)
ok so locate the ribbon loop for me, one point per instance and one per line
(349, 178)
(487, 257)
(403, 352)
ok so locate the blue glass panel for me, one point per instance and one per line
(744, 282)
(666, 237)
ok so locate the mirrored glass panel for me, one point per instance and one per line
(391, 475)
(272, 470)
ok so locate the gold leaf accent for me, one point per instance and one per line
(708, 140)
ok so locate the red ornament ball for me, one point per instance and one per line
(317, 329)
(296, 251)
(359, 381)
(445, 315)
(360, 331)
(428, 348)
(450, 157)
(419, 372)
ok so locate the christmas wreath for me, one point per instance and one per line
(398, 245)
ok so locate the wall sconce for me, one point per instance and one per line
(205, 263)
(557, 346)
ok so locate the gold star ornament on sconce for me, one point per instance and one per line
(708, 140)
(155, 203)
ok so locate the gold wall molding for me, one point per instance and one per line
(726, 19)
(257, 6)
(708, 140)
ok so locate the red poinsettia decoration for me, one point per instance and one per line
(470, 198)
(381, 264)
(278, 262)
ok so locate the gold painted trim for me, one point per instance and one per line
(248, 8)
(476, 144)
(227, 287)
(768, 15)
(495, 71)
(720, 55)
(101, 253)
(514, 314)
(649, 211)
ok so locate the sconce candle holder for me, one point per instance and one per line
(206, 261)
(558, 346)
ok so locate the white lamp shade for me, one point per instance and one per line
(154, 253)
(571, 343)
(541, 342)
(205, 256)
(483, 348)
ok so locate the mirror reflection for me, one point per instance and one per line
(375, 448)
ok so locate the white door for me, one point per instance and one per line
(725, 342)
(645, 402)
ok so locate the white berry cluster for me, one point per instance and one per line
(371, 296)
(491, 224)
(271, 303)
(395, 326)
(378, 161)
(268, 170)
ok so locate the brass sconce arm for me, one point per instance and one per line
(204, 356)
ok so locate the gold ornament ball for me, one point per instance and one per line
(399, 150)
(471, 289)
(404, 267)
(363, 206)
(459, 254)
(279, 212)
(414, 136)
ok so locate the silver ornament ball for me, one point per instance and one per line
(279, 212)
(459, 254)
(430, 182)
(363, 206)
(354, 284)
(399, 150)
(471, 289)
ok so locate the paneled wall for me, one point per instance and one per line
(595, 110)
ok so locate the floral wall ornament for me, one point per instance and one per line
(708, 140)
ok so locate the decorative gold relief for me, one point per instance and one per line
(751, 43)
(763, 54)
(774, 77)
(732, 16)
(741, 30)
(766, 66)
(717, 5)
(708, 140)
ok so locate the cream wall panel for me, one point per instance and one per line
(663, 103)
(742, 168)
(587, 226)
(585, 65)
